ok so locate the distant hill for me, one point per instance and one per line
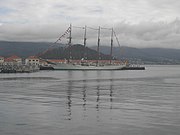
(22, 49)
(77, 52)
(146, 55)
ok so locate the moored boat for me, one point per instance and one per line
(85, 64)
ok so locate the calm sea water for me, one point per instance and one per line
(91, 102)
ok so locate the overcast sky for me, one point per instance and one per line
(138, 23)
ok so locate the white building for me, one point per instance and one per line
(1, 59)
(13, 60)
(32, 60)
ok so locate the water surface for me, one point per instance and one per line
(91, 102)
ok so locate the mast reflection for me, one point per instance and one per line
(98, 98)
(106, 95)
(111, 93)
(98, 90)
(111, 89)
(69, 94)
(84, 90)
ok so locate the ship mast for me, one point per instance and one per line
(70, 42)
(111, 46)
(98, 44)
(85, 31)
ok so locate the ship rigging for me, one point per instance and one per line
(84, 64)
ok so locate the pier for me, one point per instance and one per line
(18, 68)
(133, 68)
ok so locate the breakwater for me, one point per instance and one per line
(18, 68)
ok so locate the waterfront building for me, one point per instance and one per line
(13, 60)
(32, 60)
(1, 60)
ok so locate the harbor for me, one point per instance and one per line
(94, 67)
(75, 57)
(15, 64)
(32, 68)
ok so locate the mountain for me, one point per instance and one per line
(146, 55)
(22, 49)
(77, 53)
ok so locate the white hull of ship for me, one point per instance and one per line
(69, 66)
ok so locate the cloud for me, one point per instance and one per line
(138, 23)
(148, 34)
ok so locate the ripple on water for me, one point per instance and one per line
(90, 103)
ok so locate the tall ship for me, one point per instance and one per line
(85, 64)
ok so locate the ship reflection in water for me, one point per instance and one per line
(71, 86)
(91, 102)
